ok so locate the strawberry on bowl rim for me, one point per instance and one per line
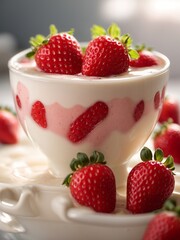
(15, 64)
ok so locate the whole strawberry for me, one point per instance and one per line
(57, 53)
(165, 226)
(108, 52)
(9, 127)
(146, 58)
(150, 182)
(92, 183)
(168, 139)
(170, 109)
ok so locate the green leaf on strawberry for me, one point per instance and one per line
(165, 224)
(115, 33)
(97, 31)
(167, 137)
(82, 160)
(133, 54)
(40, 40)
(146, 57)
(53, 30)
(141, 47)
(146, 155)
(158, 155)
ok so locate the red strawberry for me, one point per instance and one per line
(9, 127)
(139, 109)
(168, 139)
(87, 121)
(146, 58)
(38, 113)
(170, 109)
(107, 53)
(165, 226)
(60, 53)
(150, 182)
(92, 183)
(157, 100)
(18, 101)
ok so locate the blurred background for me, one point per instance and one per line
(153, 22)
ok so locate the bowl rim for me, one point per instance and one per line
(49, 77)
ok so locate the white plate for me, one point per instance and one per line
(32, 208)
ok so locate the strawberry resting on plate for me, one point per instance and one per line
(165, 225)
(150, 183)
(92, 183)
(9, 126)
(167, 137)
(170, 109)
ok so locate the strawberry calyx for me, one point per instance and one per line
(146, 155)
(163, 127)
(142, 47)
(8, 109)
(41, 40)
(171, 206)
(83, 160)
(114, 32)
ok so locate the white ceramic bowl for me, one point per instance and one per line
(133, 100)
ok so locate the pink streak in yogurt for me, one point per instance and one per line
(120, 117)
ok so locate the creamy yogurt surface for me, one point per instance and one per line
(28, 66)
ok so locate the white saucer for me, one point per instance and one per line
(34, 205)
